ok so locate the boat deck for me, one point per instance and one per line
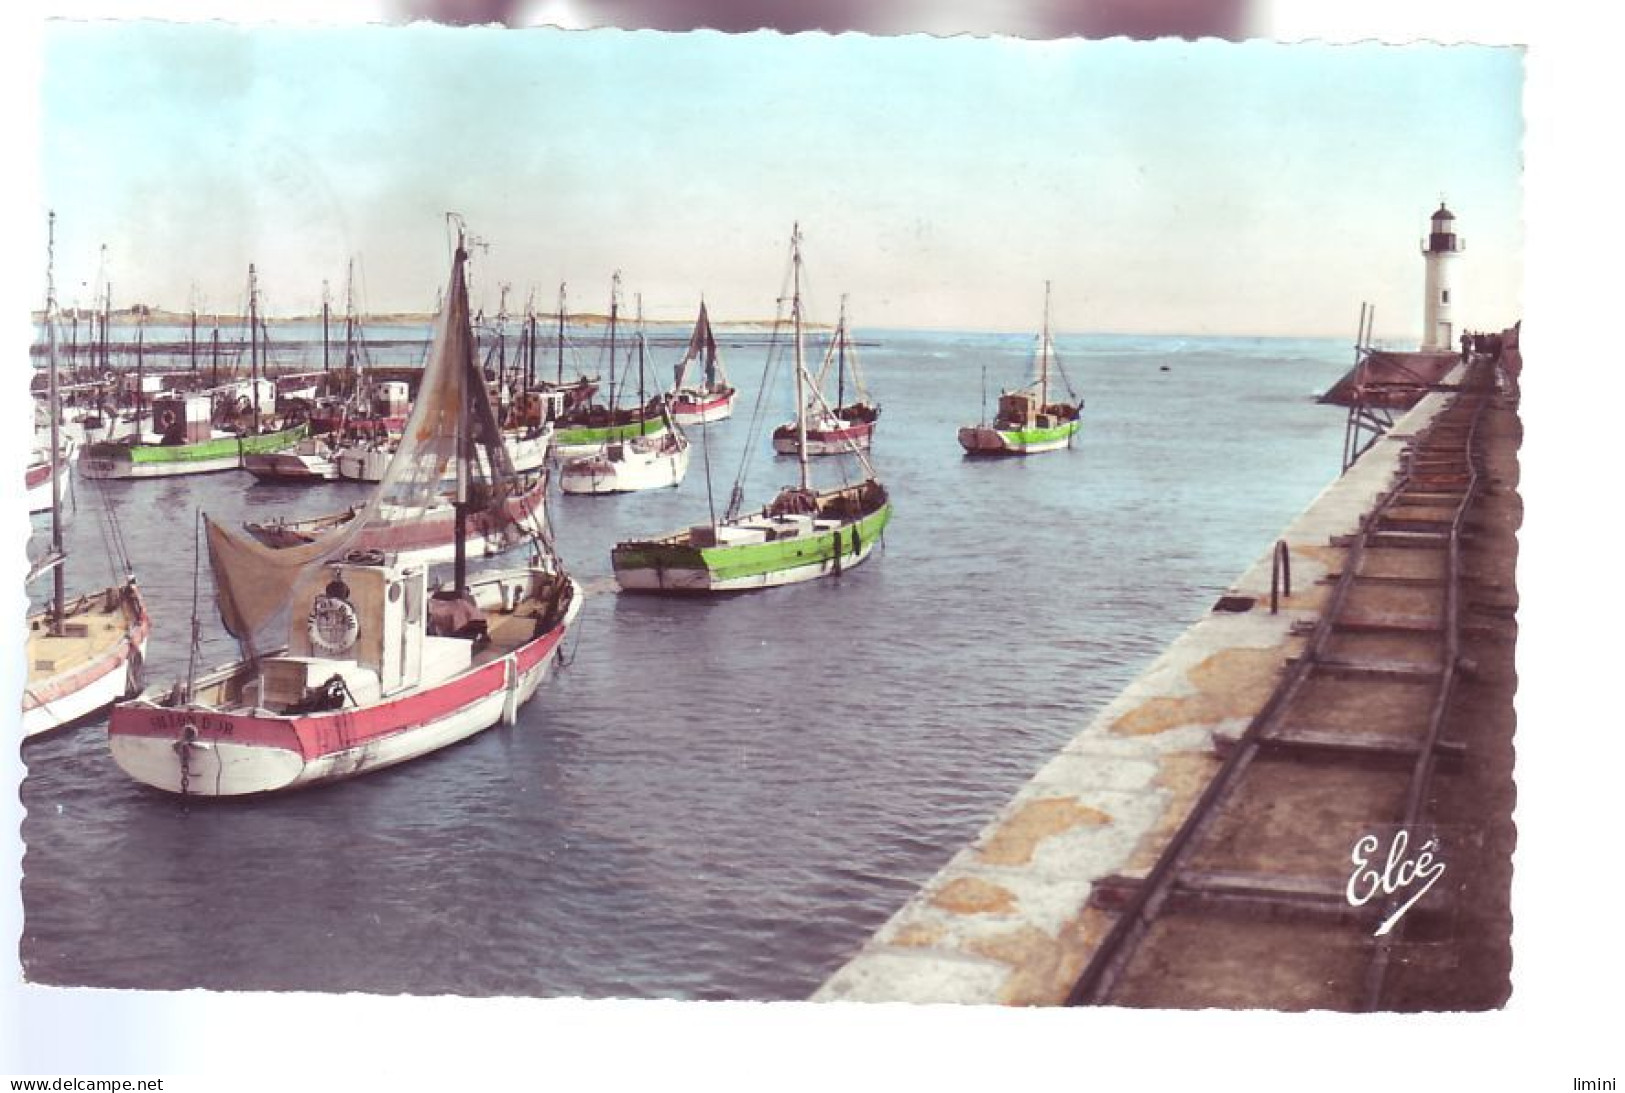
(90, 630)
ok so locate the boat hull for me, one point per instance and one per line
(580, 442)
(119, 460)
(636, 471)
(987, 440)
(38, 483)
(291, 467)
(425, 539)
(87, 686)
(858, 435)
(682, 568)
(201, 752)
(697, 409)
(369, 461)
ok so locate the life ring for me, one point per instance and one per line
(332, 626)
(166, 420)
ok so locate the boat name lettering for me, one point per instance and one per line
(206, 726)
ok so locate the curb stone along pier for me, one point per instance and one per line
(1195, 845)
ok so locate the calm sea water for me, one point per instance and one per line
(715, 799)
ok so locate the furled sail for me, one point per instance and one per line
(702, 346)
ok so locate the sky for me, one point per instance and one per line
(1163, 187)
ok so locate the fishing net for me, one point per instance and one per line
(451, 448)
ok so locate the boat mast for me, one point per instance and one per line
(614, 314)
(840, 357)
(471, 374)
(58, 579)
(253, 343)
(561, 333)
(642, 394)
(350, 378)
(107, 324)
(1043, 357)
(502, 341)
(801, 375)
(194, 336)
(140, 372)
(530, 358)
(324, 332)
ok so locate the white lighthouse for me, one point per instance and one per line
(1441, 245)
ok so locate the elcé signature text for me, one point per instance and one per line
(1391, 874)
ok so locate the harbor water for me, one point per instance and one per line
(713, 798)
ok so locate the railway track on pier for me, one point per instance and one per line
(1290, 882)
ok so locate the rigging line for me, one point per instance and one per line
(752, 432)
(705, 447)
(107, 542)
(197, 628)
(774, 350)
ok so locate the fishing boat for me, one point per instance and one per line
(589, 427)
(366, 457)
(86, 653)
(624, 466)
(422, 534)
(802, 534)
(46, 477)
(833, 430)
(313, 459)
(1027, 421)
(352, 660)
(639, 463)
(184, 438)
(711, 398)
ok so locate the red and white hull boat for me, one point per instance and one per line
(37, 482)
(829, 434)
(419, 537)
(87, 660)
(697, 406)
(350, 696)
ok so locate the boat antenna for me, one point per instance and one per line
(984, 395)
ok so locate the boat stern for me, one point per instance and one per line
(197, 753)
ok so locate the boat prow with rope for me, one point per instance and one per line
(353, 661)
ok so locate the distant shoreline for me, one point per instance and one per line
(152, 316)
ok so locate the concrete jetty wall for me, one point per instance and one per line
(1007, 921)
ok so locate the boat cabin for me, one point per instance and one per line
(390, 399)
(183, 419)
(1019, 409)
(357, 635)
